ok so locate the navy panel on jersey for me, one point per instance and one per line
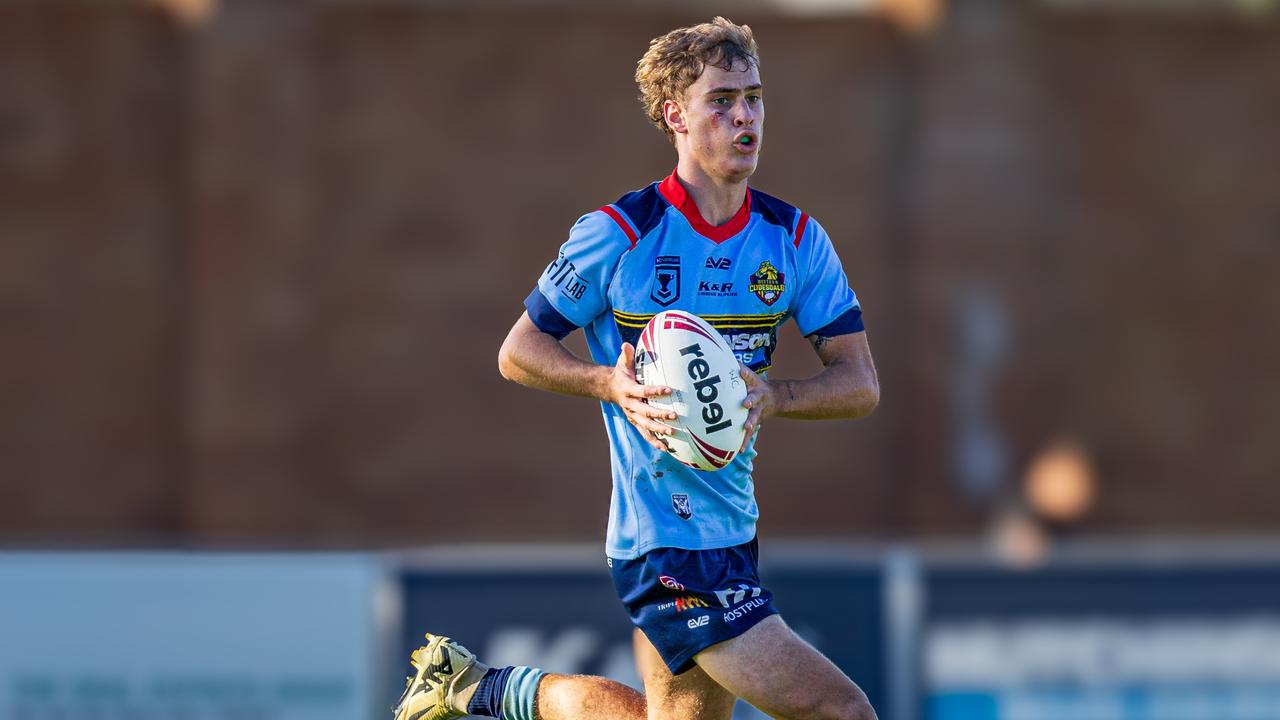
(773, 210)
(546, 317)
(644, 208)
(685, 601)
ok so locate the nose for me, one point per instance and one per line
(744, 114)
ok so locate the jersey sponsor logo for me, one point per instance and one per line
(670, 582)
(666, 280)
(680, 503)
(719, 263)
(767, 283)
(699, 622)
(564, 275)
(749, 341)
(751, 336)
(734, 596)
(705, 389)
(707, 288)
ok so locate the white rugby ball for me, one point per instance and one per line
(683, 352)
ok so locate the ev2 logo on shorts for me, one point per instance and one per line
(699, 622)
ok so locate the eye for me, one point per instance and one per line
(721, 101)
(754, 99)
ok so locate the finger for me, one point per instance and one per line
(646, 418)
(653, 390)
(645, 410)
(652, 439)
(748, 428)
(658, 413)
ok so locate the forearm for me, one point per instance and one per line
(840, 391)
(846, 388)
(537, 360)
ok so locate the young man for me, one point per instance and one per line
(681, 539)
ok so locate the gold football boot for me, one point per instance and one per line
(429, 694)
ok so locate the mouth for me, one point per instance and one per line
(746, 142)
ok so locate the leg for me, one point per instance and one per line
(770, 667)
(450, 683)
(690, 695)
(587, 697)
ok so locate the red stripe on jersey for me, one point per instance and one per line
(674, 193)
(804, 220)
(622, 223)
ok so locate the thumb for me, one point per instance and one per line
(627, 359)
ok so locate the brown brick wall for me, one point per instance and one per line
(255, 274)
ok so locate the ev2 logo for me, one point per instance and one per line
(699, 622)
(719, 263)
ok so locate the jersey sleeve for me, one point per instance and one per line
(573, 290)
(825, 305)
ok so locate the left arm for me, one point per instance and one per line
(846, 388)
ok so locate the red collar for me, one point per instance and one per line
(675, 194)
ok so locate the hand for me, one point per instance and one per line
(761, 400)
(630, 395)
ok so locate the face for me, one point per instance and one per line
(720, 124)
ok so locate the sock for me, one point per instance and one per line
(509, 693)
(487, 700)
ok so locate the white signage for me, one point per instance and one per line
(191, 636)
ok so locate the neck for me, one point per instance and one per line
(718, 200)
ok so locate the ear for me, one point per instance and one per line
(674, 115)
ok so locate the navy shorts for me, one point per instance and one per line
(685, 601)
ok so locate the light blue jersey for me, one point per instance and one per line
(651, 251)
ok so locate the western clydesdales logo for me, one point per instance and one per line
(666, 280)
(767, 283)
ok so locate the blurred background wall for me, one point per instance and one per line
(256, 263)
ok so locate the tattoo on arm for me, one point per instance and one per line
(818, 341)
(791, 391)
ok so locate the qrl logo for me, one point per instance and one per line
(706, 390)
(731, 597)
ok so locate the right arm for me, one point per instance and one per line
(535, 359)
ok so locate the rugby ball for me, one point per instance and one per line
(683, 352)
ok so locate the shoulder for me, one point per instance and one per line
(787, 217)
(636, 213)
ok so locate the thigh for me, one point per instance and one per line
(691, 695)
(774, 669)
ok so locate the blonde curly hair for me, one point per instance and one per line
(676, 60)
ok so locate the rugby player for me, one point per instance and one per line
(681, 543)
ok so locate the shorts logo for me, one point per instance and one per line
(680, 503)
(699, 622)
(670, 583)
(666, 280)
(689, 603)
(684, 603)
(767, 283)
(735, 596)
